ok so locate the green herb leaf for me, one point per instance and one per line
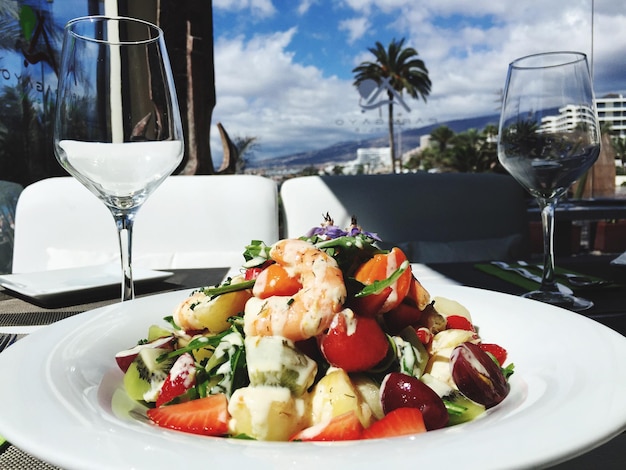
(227, 287)
(170, 319)
(256, 253)
(453, 408)
(508, 371)
(196, 343)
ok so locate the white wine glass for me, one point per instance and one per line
(548, 137)
(117, 125)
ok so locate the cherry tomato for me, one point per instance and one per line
(354, 343)
(379, 268)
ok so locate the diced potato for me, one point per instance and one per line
(439, 367)
(201, 311)
(447, 307)
(335, 394)
(267, 413)
(370, 392)
(449, 339)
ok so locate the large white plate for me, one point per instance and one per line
(567, 397)
(48, 285)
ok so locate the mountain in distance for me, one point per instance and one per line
(346, 151)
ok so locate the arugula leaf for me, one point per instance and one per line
(256, 253)
(196, 343)
(508, 371)
(170, 319)
(350, 251)
(227, 287)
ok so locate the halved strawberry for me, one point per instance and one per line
(424, 335)
(399, 422)
(496, 351)
(252, 273)
(182, 377)
(208, 416)
(344, 427)
(457, 322)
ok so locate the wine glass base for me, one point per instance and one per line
(559, 299)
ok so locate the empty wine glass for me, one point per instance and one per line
(548, 137)
(117, 125)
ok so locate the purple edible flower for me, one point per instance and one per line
(329, 231)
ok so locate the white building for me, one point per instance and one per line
(612, 110)
(568, 119)
(370, 160)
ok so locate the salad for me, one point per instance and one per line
(321, 338)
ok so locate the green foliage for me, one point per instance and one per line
(619, 144)
(470, 151)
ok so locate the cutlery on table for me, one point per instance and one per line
(530, 276)
(576, 280)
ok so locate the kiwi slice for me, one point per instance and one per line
(156, 332)
(145, 374)
(471, 408)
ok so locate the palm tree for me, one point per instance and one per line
(405, 71)
(9, 25)
(245, 146)
(442, 136)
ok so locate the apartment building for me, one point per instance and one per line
(612, 109)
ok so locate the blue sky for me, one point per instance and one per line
(284, 67)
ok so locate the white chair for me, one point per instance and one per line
(432, 217)
(188, 222)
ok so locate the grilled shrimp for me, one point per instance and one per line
(310, 310)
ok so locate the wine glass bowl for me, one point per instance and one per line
(548, 138)
(117, 124)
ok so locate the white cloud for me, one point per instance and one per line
(305, 5)
(262, 8)
(264, 90)
(356, 28)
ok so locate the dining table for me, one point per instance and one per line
(24, 315)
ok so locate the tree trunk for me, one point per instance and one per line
(603, 171)
(392, 140)
(599, 181)
(188, 28)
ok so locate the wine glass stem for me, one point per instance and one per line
(124, 222)
(547, 207)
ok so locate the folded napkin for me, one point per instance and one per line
(530, 285)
